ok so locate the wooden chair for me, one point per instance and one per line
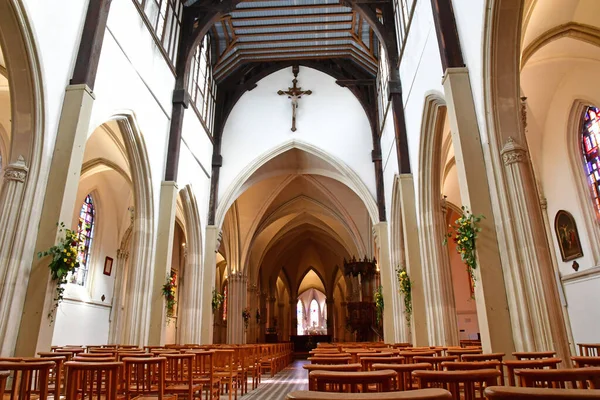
(324, 367)
(56, 379)
(461, 352)
(204, 373)
(226, 371)
(3, 378)
(575, 378)
(474, 365)
(92, 380)
(409, 356)
(329, 360)
(436, 362)
(472, 383)
(589, 349)
(145, 378)
(353, 382)
(73, 350)
(584, 361)
(367, 362)
(29, 380)
(404, 379)
(512, 365)
(425, 394)
(518, 393)
(96, 355)
(533, 355)
(179, 376)
(79, 358)
(483, 357)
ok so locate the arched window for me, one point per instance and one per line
(85, 233)
(225, 302)
(314, 313)
(300, 317)
(590, 146)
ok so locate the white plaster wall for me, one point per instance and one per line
(583, 311)
(331, 118)
(92, 324)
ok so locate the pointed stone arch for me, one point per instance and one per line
(344, 175)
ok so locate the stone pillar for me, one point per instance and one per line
(280, 325)
(293, 317)
(412, 253)
(36, 330)
(236, 304)
(388, 276)
(330, 317)
(252, 336)
(490, 292)
(12, 289)
(441, 312)
(535, 309)
(213, 242)
(270, 311)
(117, 308)
(162, 261)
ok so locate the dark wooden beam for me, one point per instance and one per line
(355, 82)
(88, 56)
(447, 34)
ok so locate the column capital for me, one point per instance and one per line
(16, 171)
(513, 152)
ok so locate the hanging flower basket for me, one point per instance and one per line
(246, 317)
(168, 291)
(64, 260)
(464, 232)
(406, 289)
(217, 300)
(378, 296)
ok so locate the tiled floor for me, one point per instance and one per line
(292, 378)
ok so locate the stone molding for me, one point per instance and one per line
(16, 171)
(513, 152)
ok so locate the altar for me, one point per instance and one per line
(305, 343)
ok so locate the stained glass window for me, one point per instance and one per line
(314, 313)
(300, 317)
(85, 233)
(225, 302)
(590, 142)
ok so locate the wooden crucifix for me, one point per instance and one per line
(295, 93)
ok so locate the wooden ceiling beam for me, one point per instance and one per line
(291, 7)
(292, 33)
(290, 24)
(292, 17)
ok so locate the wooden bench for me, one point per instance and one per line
(329, 360)
(353, 382)
(518, 393)
(533, 355)
(583, 361)
(589, 349)
(424, 394)
(325, 367)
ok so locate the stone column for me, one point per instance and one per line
(116, 311)
(254, 305)
(535, 308)
(412, 253)
(12, 289)
(280, 316)
(35, 332)
(270, 311)
(236, 304)
(441, 313)
(390, 294)
(162, 261)
(330, 317)
(213, 241)
(490, 292)
(293, 317)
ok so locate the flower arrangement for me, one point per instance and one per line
(168, 291)
(464, 234)
(257, 316)
(378, 296)
(217, 300)
(246, 316)
(405, 288)
(64, 260)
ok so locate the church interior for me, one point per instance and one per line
(283, 199)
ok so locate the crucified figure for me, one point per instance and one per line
(294, 93)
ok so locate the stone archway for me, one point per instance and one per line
(22, 174)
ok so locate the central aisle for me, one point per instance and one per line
(292, 378)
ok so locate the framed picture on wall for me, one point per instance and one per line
(567, 235)
(108, 262)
